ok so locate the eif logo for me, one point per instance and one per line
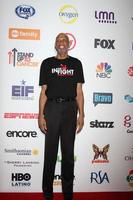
(99, 177)
(68, 14)
(105, 17)
(23, 91)
(25, 11)
(103, 70)
(21, 59)
(105, 44)
(130, 178)
(102, 98)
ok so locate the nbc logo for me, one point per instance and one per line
(103, 70)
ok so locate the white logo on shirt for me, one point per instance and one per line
(63, 71)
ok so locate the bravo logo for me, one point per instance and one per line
(68, 14)
(105, 44)
(102, 98)
(25, 11)
(130, 178)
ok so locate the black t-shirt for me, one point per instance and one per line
(61, 76)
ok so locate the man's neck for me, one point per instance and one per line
(62, 56)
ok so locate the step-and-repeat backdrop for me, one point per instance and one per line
(101, 36)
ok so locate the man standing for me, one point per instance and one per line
(61, 114)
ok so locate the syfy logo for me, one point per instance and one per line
(21, 59)
(99, 177)
(25, 11)
(105, 44)
(22, 92)
(105, 17)
(63, 71)
(102, 98)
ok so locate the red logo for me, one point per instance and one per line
(72, 41)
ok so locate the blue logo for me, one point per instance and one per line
(128, 98)
(102, 98)
(25, 11)
(22, 92)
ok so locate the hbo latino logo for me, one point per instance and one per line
(20, 179)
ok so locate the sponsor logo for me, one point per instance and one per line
(129, 157)
(21, 59)
(63, 71)
(128, 123)
(101, 124)
(68, 14)
(130, 71)
(21, 115)
(130, 178)
(99, 177)
(22, 92)
(105, 17)
(24, 34)
(128, 98)
(22, 152)
(20, 179)
(21, 134)
(104, 44)
(100, 152)
(102, 98)
(103, 70)
(16, 163)
(72, 41)
(25, 11)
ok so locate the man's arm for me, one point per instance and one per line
(80, 102)
(42, 102)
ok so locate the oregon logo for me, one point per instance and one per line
(68, 14)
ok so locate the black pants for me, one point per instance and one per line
(61, 121)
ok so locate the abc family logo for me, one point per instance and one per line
(102, 98)
(104, 44)
(24, 34)
(25, 11)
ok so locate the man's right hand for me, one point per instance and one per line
(42, 124)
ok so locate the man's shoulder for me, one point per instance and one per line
(74, 59)
(48, 59)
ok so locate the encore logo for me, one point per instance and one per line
(24, 34)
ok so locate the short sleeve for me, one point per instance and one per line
(80, 74)
(43, 74)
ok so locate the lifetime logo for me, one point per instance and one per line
(24, 34)
(105, 17)
(68, 14)
(105, 44)
(102, 98)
